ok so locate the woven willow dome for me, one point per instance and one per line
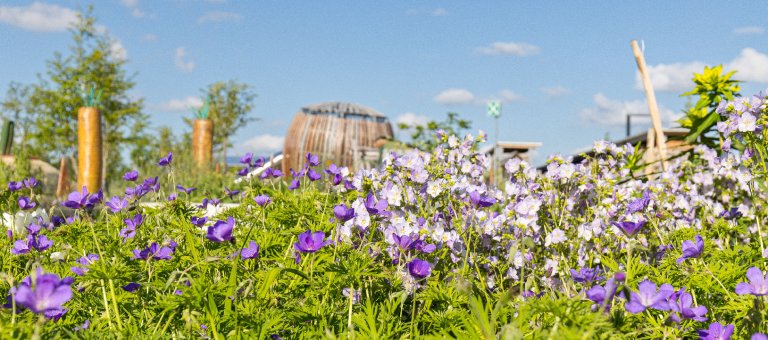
(341, 133)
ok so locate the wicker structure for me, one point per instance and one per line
(341, 133)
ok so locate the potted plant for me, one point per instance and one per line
(202, 137)
(89, 140)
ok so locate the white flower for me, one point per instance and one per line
(18, 223)
(435, 187)
(58, 256)
(555, 237)
(747, 123)
(551, 265)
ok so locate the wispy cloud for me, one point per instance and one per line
(436, 12)
(556, 91)
(182, 61)
(747, 30)
(133, 6)
(117, 50)
(261, 145)
(149, 37)
(454, 97)
(412, 119)
(178, 105)
(38, 17)
(219, 16)
(610, 112)
(509, 48)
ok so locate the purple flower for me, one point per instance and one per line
(172, 197)
(247, 158)
(25, 203)
(15, 186)
(134, 222)
(596, 294)
(94, 199)
(639, 204)
(266, 173)
(242, 172)
(21, 246)
(204, 204)
(277, 173)
(131, 287)
(731, 214)
(214, 202)
(647, 296)
(586, 275)
(758, 336)
(351, 294)
(262, 200)
(716, 331)
(259, 162)
(682, 304)
(610, 289)
(757, 286)
(85, 326)
(77, 200)
(151, 184)
(165, 161)
(294, 184)
(185, 190)
(221, 231)
(419, 268)
(231, 193)
(199, 221)
(84, 261)
(310, 242)
(131, 176)
(629, 228)
(116, 204)
(154, 251)
(692, 250)
(312, 159)
(31, 182)
(313, 175)
(343, 213)
(250, 252)
(481, 201)
(46, 296)
(376, 207)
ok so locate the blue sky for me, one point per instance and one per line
(564, 70)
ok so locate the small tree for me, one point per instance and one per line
(231, 103)
(712, 87)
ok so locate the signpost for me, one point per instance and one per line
(494, 110)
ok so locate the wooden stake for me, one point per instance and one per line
(62, 188)
(653, 107)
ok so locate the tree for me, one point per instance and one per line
(712, 86)
(92, 62)
(231, 103)
(16, 107)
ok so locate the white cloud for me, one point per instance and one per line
(508, 96)
(412, 119)
(176, 105)
(556, 91)
(610, 112)
(748, 30)
(182, 62)
(261, 144)
(149, 37)
(454, 97)
(509, 48)
(117, 50)
(439, 12)
(39, 17)
(750, 65)
(219, 16)
(671, 77)
(133, 5)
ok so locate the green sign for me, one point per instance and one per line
(494, 108)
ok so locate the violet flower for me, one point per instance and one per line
(757, 286)
(647, 296)
(310, 242)
(596, 294)
(419, 268)
(692, 250)
(716, 331)
(376, 207)
(165, 161)
(250, 252)
(231, 193)
(84, 261)
(586, 275)
(247, 158)
(25, 203)
(343, 213)
(30, 182)
(77, 200)
(131, 176)
(266, 173)
(313, 160)
(85, 326)
(639, 204)
(46, 296)
(199, 221)
(185, 190)
(259, 162)
(15, 186)
(116, 204)
(221, 231)
(131, 287)
(153, 252)
(262, 200)
(313, 175)
(243, 171)
(94, 199)
(481, 201)
(629, 228)
(682, 304)
(610, 290)
(758, 336)
(294, 184)
(731, 214)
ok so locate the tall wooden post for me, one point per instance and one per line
(653, 107)
(89, 156)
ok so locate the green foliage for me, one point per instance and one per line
(422, 136)
(712, 86)
(202, 113)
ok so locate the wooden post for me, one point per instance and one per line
(62, 187)
(202, 143)
(653, 107)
